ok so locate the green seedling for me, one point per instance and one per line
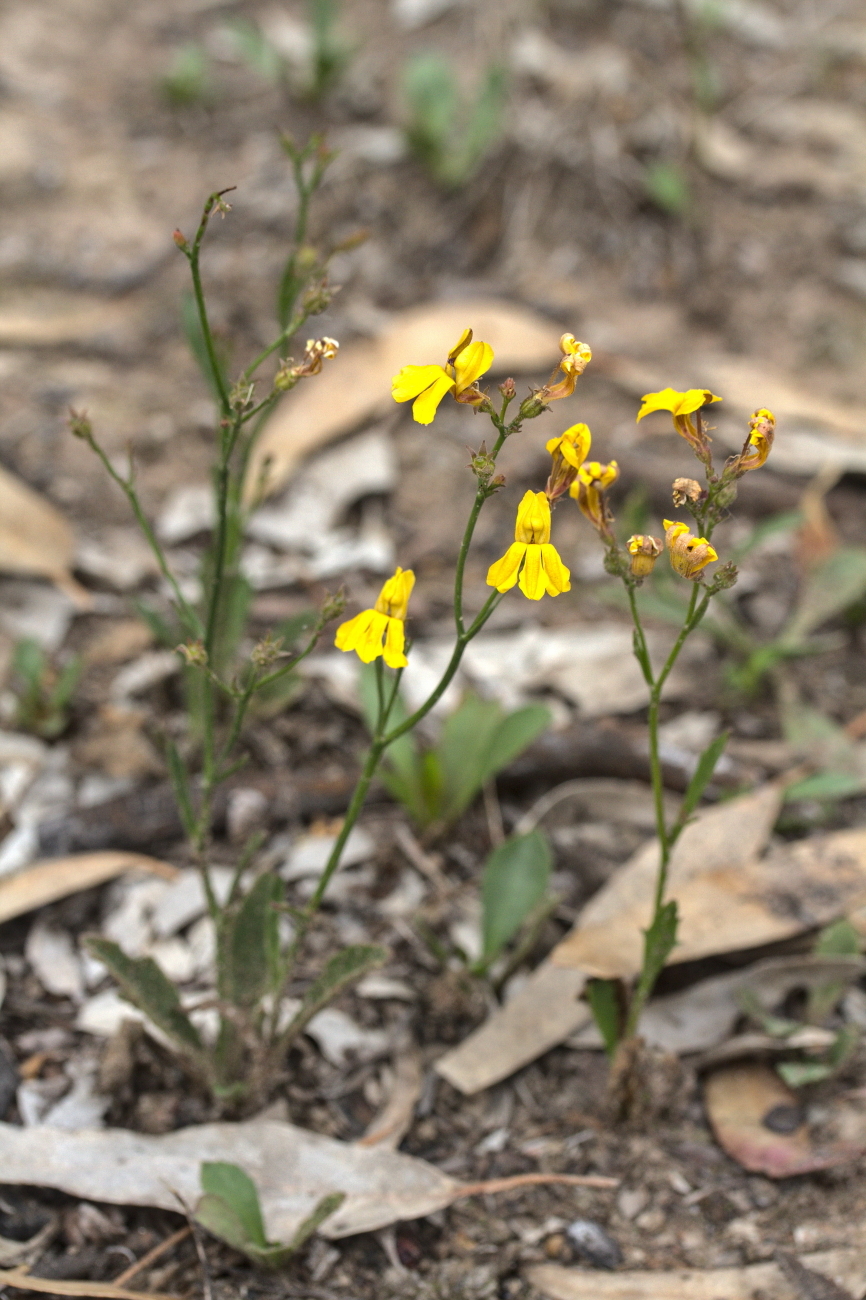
(229, 1208)
(667, 184)
(437, 783)
(43, 694)
(451, 136)
(312, 76)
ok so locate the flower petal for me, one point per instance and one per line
(532, 577)
(558, 576)
(363, 634)
(503, 574)
(425, 406)
(394, 643)
(472, 363)
(412, 380)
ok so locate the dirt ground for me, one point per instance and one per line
(760, 255)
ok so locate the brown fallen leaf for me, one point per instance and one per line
(20, 1278)
(36, 539)
(845, 1266)
(53, 878)
(291, 1167)
(758, 1120)
(357, 384)
(390, 1126)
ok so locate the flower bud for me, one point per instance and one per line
(644, 552)
(317, 298)
(508, 389)
(181, 240)
(267, 651)
(333, 605)
(194, 653)
(80, 426)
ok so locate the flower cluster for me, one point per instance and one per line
(531, 562)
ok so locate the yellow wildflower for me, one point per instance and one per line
(588, 489)
(575, 358)
(689, 554)
(568, 453)
(644, 552)
(682, 407)
(531, 559)
(762, 429)
(427, 385)
(379, 631)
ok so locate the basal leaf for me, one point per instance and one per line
(514, 880)
(144, 985)
(340, 971)
(603, 999)
(234, 1186)
(327, 1206)
(249, 943)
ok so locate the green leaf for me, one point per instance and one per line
(340, 971)
(249, 943)
(478, 740)
(180, 785)
(830, 588)
(798, 1073)
(327, 1206)
(839, 940)
(826, 785)
(701, 778)
(604, 1003)
(144, 985)
(659, 942)
(237, 1189)
(513, 882)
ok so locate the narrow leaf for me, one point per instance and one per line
(514, 880)
(144, 985)
(234, 1185)
(180, 785)
(701, 778)
(839, 940)
(660, 938)
(798, 1073)
(327, 1206)
(247, 943)
(603, 999)
(342, 970)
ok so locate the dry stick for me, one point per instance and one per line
(535, 1180)
(20, 1278)
(155, 1253)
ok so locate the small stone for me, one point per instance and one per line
(631, 1200)
(651, 1220)
(596, 1246)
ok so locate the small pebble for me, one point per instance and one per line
(595, 1245)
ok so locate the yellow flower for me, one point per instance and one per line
(681, 406)
(588, 490)
(689, 554)
(568, 452)
(531, 559)
(427, 385)
(575, 358)
(644, 552)
(379, 631)
(762, 430)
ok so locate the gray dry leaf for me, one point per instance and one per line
(845, 1266)
(357, 384)
(729, 897)
(36, 539)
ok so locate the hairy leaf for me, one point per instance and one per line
(234, 1185)
(603, 999)
(249, 943)
(144, 985)
(340, 971)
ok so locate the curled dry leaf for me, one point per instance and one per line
(292, 1169)
(845, 1266)
(53, 878)
(36, 539)
(759, 1121)
(390, 1126)
(357, 384)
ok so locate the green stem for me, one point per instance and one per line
(194, 256)
(480, 497)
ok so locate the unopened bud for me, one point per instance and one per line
(723, 578)
(508, 389)
(266, 651)
(80, 426)
(194, 653)
(317, 298)
(241, 396)
(333, 605)
(686, 489)
(482, 463)
(181, 240)
(644, 552)
(532, 406)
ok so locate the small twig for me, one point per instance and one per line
(153, 1255)
(535, 1180)
(493, 813)
(207, 1289)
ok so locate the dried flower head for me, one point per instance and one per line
(689, 554)
(644, 551)
(686, 489)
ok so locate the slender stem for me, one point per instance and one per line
(293, 326)
(195, 271)
(368, 771)
(480, 497)
(189, 615)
